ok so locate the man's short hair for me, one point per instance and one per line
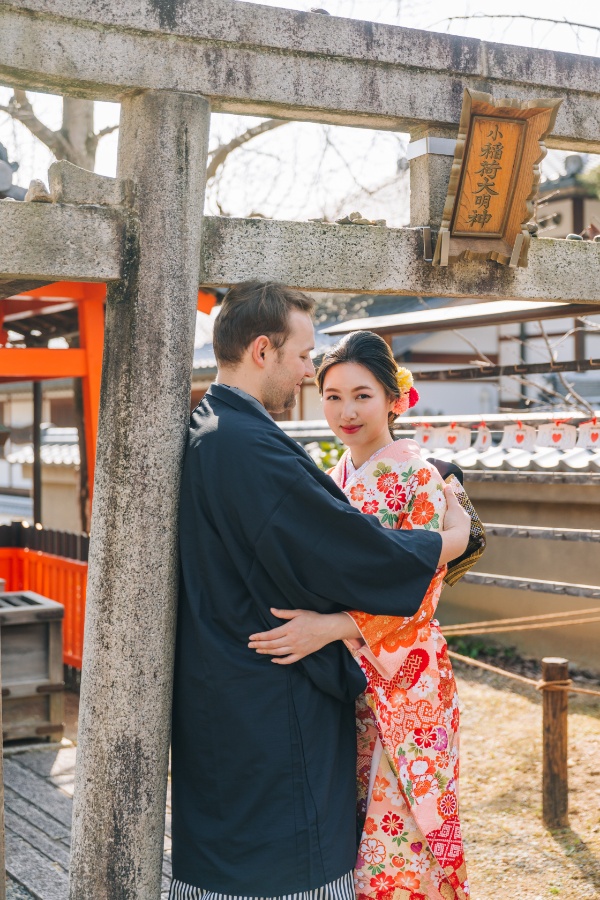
(251, 309)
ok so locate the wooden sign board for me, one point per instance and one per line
(494, 179)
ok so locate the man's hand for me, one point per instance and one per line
(305, 632)
(456, 530)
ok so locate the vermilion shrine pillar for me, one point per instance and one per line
(126, 685)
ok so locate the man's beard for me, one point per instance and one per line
(278, 399)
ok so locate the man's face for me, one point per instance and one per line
(290, 365)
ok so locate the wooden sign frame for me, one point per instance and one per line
(494, 179)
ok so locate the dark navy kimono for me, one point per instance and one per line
(264, 756)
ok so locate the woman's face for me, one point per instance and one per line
(356, 407)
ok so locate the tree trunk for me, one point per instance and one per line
(78, 130)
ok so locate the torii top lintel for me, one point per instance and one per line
(261, 60)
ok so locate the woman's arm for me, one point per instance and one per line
(304, 633)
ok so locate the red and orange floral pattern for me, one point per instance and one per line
(411, 846)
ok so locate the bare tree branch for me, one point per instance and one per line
(473, 346)
(95, 138)
(521, 16)
(220, 154)
(481, 355)
(568, 387)
(21, 110)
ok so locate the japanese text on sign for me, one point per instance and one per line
(492, 159)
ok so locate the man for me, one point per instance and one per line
(263, 756)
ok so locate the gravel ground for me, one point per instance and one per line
(510, 854)
(509, 851)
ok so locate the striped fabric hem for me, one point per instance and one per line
(341, 889)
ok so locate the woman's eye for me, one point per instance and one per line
(364, 397)
(332, 397)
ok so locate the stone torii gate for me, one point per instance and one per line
(169, 62)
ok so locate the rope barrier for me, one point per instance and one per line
(538, 685)
(464, 631)
(555, 685)
(448, 629)
(579, 690)
(481, 665)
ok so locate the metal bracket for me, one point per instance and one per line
(439, 146)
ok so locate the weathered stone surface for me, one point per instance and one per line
(265, 61)
(55, 242)
(314, 256)
(71, 184)
(126, 685)
(429, 177)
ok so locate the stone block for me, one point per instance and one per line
(71, 184)
(60, 242)
(316, 256)
(257, 60)
(37, 192)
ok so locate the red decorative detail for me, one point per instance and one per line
(413, 396)
(451, 438)
(446, 843)
(425, 438)
(415, 663)
(556, 437)
(594, 436)
(395, 498)
(520, 438)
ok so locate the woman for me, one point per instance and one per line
(410, 842)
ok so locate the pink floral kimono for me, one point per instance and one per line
(411, 846)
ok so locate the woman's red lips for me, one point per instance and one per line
(350, 429)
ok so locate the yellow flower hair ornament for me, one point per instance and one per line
(409, 396)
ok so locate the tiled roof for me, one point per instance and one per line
(558, 447)
(52, 454)
(60, 447)
(540, 459)
(522, 451)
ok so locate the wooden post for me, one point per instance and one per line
(555, 716)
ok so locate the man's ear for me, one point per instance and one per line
(259, 350)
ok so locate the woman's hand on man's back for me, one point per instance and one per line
(456, 530)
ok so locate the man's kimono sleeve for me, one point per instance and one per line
(320, 550)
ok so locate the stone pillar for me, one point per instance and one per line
(430, 174)
(124, 726)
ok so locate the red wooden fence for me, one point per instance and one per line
(60, 579)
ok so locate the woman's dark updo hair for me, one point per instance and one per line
(369, 350)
